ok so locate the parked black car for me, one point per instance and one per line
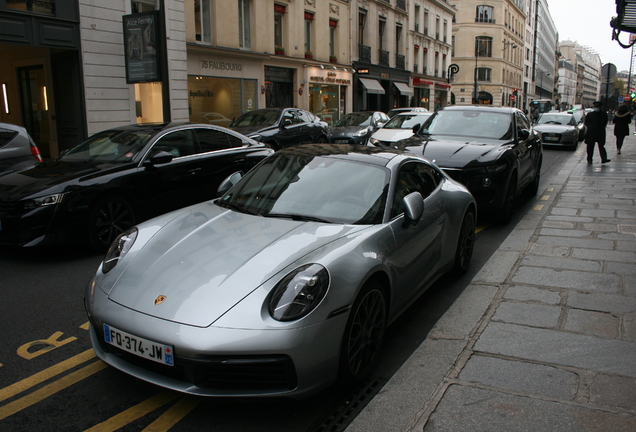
(282, 127)
(117, 178)
(17, 149)
(494, 151)
(357, 127)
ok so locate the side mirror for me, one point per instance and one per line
(413, 205)
(380, 124)
(523, 134)
(229, 182)
(159, 158)
(287, 122)
(416, 128)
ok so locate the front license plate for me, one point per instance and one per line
(341, 141)
(139, 346)
(551, 138)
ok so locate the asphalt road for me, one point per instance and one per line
(51, 381)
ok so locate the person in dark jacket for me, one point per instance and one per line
(596, 122)
(621, 121)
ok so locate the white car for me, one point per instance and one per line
(401, 126)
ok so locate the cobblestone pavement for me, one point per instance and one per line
(544, 338)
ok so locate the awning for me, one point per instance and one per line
(404, 89)
(372, 86)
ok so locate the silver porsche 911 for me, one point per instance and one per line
(288, 280)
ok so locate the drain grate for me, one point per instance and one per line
(345, 411)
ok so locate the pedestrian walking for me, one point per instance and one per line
(621, 120)
(596, 122)
(535, 114)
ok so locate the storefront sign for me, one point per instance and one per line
(143, 56)
(419, 81)
(446, 86)
(219, 65)
(330, 80)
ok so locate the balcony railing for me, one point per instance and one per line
(384, 58)
(364, 53)
(400, 61)
(415, 68)
(417, 27)
(436, 72)
(485, 20)
(425, 70)
(426, 31)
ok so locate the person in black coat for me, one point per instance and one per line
(621, 121)
(596, 122)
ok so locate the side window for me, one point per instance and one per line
(413, 177)
(179, 143)
(297, 119)
(288, 117)
(213, 140)
(306, 117)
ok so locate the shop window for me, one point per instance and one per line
(245, 37)
(42, 6)
(218, 101)
(202, 20)
(149, 102)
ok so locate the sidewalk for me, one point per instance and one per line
(544, 337)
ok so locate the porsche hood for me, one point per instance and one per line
(207, 259)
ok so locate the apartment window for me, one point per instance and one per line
(279, 13)
(245, 39)
(437, 28)
(309, 19)
(139, 6)
(398, 38)
(483, 74)
(453, 46)
(381, 29)
(333, 25)
(425, 21)
(445, 30)
(484, 14)
(362, 21)
(202, 20)
(483, 46)
(417, 18)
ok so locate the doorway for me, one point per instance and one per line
(34, 105)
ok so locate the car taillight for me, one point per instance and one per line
(36, 152)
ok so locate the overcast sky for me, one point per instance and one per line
(587, 22)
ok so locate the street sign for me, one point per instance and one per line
(621, 99)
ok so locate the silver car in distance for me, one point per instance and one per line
(286, 282)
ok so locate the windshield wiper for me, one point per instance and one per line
(296, 217)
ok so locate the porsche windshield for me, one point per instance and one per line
(312, 188)
(471, 123)
(112, 146)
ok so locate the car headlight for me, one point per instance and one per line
(361, 132)
(299, 292)
(495, 168)
(119, 249)
(43, 201)
(374, 141)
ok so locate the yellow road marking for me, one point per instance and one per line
(550, 189)
(538, 207)
(480, 228)
(134, 413)
(545, 197)
(44, 375)
(49, 390)
(173, 415)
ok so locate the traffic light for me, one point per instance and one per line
(514, 92)
(632, 95)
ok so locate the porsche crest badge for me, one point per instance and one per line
(159, 299)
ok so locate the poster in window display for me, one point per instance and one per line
(141, 36)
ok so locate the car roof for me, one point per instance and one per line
(373, 155)
(488, 108)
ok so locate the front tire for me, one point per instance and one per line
(364, 333)
(108, 218)
(507, 208)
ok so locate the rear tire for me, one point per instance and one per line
(364, 333)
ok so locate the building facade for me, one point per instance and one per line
(489, 40)
(589, 66)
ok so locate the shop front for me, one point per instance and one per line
(422, 89)
(40, 72)
(379, 88)
(328, 92)
(221, 88)
(441, 95)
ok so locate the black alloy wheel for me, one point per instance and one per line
(364, 333)
(507, 208)
(322, 139)
(108, 218)
(465, 244)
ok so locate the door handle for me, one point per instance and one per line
(194, 171)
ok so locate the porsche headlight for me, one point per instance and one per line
(299, 292)
(43, 201)
(374, 141)
(119, 249)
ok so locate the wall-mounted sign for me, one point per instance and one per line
(141, 45)
(363, 71)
